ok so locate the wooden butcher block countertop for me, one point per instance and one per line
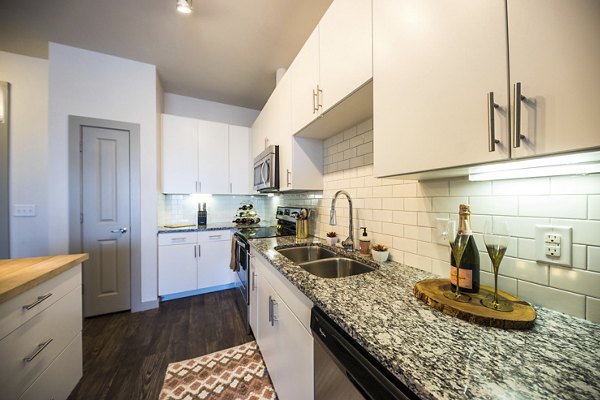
(21, 274)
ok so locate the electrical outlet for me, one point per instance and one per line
(24, 210)
(554, 244)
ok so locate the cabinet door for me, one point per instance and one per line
(434, 64)
(179, 154)
(213, 264)
(279, 127)
(213, 157)
(555, 54)
(267, 332)
(240, 162)
(304, 73)
(254, 283)
(177, 271)
(258, 134)
(345, 49)
(294, 343)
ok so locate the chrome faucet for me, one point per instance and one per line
(349, 242)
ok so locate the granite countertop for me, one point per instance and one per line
(21, 274)
(440, 357)
(217, 226)
(214, 226)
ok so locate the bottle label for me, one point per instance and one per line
(466, 277)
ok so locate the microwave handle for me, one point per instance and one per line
(262, 176)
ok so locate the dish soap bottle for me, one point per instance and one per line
(365, 241)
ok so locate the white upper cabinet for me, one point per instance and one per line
(240, 160)
(555, 55)
(204, 157)
(345, 50)
(179, 154)
(434, 65)
(213, 157)
(304, 73)
(334, 62)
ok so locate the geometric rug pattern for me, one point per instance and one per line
(237, 373)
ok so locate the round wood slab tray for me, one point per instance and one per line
(431, 291)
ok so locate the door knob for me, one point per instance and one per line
(120, 230)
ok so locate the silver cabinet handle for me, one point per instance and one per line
(213, 237)
(315, 108)
(38, 301)
(517, 99)
(289, 181)
(253, 281)
(199, 251)
(319, 98)
(271, 310)
(40, 348)
(492, 141)
(273, 318)
(230, 187)
(120, 230)
(195, 252)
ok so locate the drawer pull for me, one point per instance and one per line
(40, 348)
(179, 239)
(38, 301)
(214, 237)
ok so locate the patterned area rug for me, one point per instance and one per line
(237, 373)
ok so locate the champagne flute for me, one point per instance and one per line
(458, 243)
(496, 242)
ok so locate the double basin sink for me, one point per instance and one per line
(324, 263)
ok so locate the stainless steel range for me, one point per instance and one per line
(286, 225)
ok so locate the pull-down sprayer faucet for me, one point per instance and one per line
(349, 242)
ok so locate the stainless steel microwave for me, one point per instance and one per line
(266, 170)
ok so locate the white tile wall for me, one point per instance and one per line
(402, 214)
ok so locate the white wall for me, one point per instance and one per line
(402, 215)
(95, 85)
(28, 77)
(208, 110)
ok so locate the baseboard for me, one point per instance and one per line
(197, 292)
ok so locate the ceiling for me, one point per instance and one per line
(225, 51)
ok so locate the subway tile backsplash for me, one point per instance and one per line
(402, 215)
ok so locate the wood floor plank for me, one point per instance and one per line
(125, 355)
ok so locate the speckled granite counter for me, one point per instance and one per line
(218, 226)
(439, 357)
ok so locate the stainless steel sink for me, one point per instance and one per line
(306, 253)
(336, 267)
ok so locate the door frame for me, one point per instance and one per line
(76, 124)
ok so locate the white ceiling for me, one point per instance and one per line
(225, 51)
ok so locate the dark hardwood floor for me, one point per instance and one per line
(125, 355)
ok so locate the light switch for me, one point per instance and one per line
(24, 210)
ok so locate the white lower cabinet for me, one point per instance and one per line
(193, 260)
(252, 312)
(282, 334)
(41, 349)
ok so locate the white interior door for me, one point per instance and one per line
(106, 220)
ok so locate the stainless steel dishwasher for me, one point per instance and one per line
(344, 370)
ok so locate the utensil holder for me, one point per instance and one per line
(301, 229)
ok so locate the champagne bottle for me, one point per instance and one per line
(469, 265)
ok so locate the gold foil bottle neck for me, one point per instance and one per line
(464, 209)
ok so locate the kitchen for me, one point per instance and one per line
(372, 154)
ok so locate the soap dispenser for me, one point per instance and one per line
(365, 241)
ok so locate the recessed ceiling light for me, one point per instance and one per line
(184, 6)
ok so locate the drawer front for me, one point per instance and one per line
(13, 312)
(60, 378)
(214, 236)
(168, 239)
(59, 323)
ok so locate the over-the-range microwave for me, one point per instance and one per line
(266, 170)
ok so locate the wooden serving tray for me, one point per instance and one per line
(430, 291)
